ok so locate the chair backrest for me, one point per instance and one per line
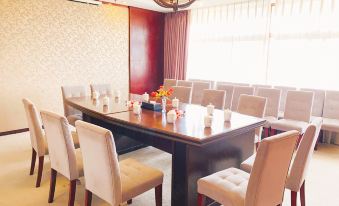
(284, 91)
(273, 101)
(229, 94)
(198, 89)
(299, 105)
(239, 90)
(212, 83)
(60, 144)
(241, 84)
(303, 156)
(252, 106)
(72, 91)
(318, 102)
(103, 89)
(222, 83)
(169, 83)
(215, 97)
(258, 86)
(184, 94)
(184, 83)
(35, 127)
(331, 105)
(99, 154)
(268, 176)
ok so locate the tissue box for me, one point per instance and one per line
(149, 106)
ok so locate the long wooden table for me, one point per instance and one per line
(196, 151)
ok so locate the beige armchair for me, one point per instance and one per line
(260, 86)
(234, 187)
(72, 114)
(169, 83)
(215, 97)
(253, 106)
(318, 102)
(198, 89)
(229, 94)
(117, 182)
(272, 106)
(65, 159)
(184, 94)
(297, 115)
(239, 90)
(184, 83)
(103, 89)
(38, 139)
(298, 171)
(331, 112)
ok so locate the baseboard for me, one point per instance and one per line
(14, 131)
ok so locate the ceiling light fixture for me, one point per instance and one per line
(174, 4)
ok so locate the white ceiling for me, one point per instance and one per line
(151, 5)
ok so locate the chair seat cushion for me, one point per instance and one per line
(269, 120)
(331, 125)
(227, 187)
(137, 178)
(73, 118)
(288, 124)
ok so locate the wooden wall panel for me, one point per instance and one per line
(146, 50)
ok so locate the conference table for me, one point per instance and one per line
(196, 151)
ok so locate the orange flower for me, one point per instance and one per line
(154, 94)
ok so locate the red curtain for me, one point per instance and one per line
(176, 44)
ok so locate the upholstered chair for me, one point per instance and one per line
(272, 106)
(297, 115)
(169, 83)
(318, 102)
(258, 86)
(72, 114)
(198, 89)
(184, 83)
(215, 97)
(229, 94)
(331, 112)
(65, 159)
(298, 171)
(212, 83)
(103, 89)
(117, 182)
(241, 84)
(284, 91)
(235, 187)
(184, 94)
(38, 139)
(239, 90)
(222, 83)
(253, 106)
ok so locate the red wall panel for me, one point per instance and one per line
(146, 50)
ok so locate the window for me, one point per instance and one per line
(292, 43)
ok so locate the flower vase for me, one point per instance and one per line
(164, 103)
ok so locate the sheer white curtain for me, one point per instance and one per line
(291, 42)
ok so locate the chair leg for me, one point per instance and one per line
(273, 132)
(32, 162)
(158, 195)
(52, 186)
(302, 194)
(40, 168)
(293, 198)
(129, 201)
(266, 132)
(72, 189)
(201, 200)
(88, 198)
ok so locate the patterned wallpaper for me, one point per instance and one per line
(45, 44)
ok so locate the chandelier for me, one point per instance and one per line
(174, 4)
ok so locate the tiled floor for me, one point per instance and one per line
(17, 187)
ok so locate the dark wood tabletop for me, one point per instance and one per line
(190, 127)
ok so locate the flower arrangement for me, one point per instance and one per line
(162, 93)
